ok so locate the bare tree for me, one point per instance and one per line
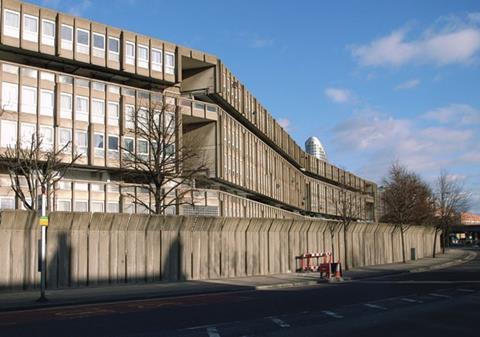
(348, 211)
(33, 165)
(451, 201)
(160, 163)
(408, 200)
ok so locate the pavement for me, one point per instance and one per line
(24, 300)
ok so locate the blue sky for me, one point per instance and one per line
(375, 81)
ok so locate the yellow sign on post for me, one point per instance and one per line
(43, 221)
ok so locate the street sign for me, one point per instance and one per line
(43, 221)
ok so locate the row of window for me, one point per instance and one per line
(10, 93)
(28, 132)
(30, 32)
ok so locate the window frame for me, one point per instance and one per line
(59, 139)
(169, 69)
(11, 31)
(97, 51)
(157, 66)
(87, 113)
(130, 59)
(29, 35)
(50, 144)
(83, 149)
(82, 48)
(95, 117)
(69, 115)
(10, 126)
(26, 143)
(47, 39)
(109, 117)
(118, 143)
(34, 104)
(42, 106)
(66, 44)
(143, 62)
(7, 106)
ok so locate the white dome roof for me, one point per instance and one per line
(314, 147)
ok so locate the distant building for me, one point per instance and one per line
(315, 148)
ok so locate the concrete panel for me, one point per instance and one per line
(170, 246)
(118, 251)
(215, 246)
(153, 248)
(229, 257)
(241, 247)
(99, 248)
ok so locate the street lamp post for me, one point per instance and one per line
(43, 264)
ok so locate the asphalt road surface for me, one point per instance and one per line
(437, 303)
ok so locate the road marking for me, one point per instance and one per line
(410, 300)
(375, 306)
(331, 313)
(439, 295)
(466, 290)
(279, 322)
(212, 332)
(83, 313)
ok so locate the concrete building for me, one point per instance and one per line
(314, 148)
(71, 79)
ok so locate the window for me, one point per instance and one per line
(129, 116)
(142, 119)
(81, 108)
(130, 53)
(99, 144)
(27, 134)
(113, 48)
(169, 122)
(80, 82)
(9, 96)
(48, 32)
(11, 69)
(98, 45)
(65, 105)
(29, 72)
(7, 203)
(128, 145)
(114, 89)
(67, 37)
(97, 187)
(170, 63)
(112, 143)
(81, 142)
(143, 56)
(83, 41)
(47, 76)
(112, 207)
(29, 100)
(30, 28)
(64, 205)
(156, 60)
(81, 206)
(113, 113)
(81, 186)
(64, 185)
(8, 133)
(46, 135)
(98, 86)
(65, 79)
(47, 102)
(170, 150)
(98, 111)
(142, 147)
(65, 139)
(11, 23)
(96, 206)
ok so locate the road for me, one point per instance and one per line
(436, 303)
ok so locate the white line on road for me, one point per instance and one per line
(466, 290)
(410, 300)
(439, 295)
(375, 306)
(331, 313)
(212, 332)
(279, 322)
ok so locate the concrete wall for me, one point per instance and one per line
(86, 249)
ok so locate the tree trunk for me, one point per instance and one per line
(345, 242)
(435, 242)
(403, 244)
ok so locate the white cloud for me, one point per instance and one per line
(79, 7)
(450, 44)
(259, 42)
(338, 95)
(455, 113)
(408, 85)
(379, 140)
(284, 123)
